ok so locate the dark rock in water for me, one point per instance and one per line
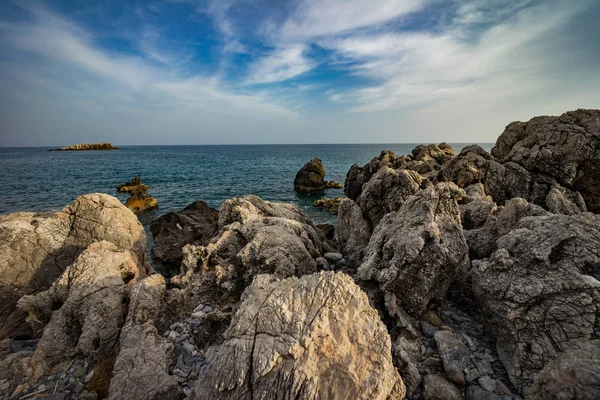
(331, 205)
(566, 148)
(129, 187)
(197, 224)
(311, 177)
(329, 343)
(87, 146)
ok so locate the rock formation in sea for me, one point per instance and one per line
(138, 199)
(311, 178)
(87, 146)
(330, 204)
(469, 275)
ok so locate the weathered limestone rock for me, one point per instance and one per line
(86, 307)
(540, 289)
(311, 177)
(354, 231)
(575, 374)
(417, 251)
(197, 223)
(37, 248)
(141, 369)
(386, 191)
(566, 148)
(358, 176)
(313, 337)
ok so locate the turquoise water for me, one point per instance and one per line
(34, 179)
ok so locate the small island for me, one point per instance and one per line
(87, 146)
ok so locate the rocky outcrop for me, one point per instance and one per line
(129, 187)
(85, 307)
(541, 290)
(417, 251)
(87, 146)
(139, 200)
(311, 177)
(331, 205)
(357, 176)
(565, 148)
(37, 248)
(313, 337)
(195, 224)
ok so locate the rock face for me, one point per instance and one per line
(566, 148)
(417, 251)
(85, 307)
(37, 248)
(197, 224)
(88, 146)
(354, 231)
(311, 177)
(313, 337)
(541, 289)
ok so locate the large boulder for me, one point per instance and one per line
(86, 307)
(313, 337)
(311, 177)
(37, 248)
(357, 176)
(566, 148)
(417, 251)
(540, 289)
(354, 231)
(197, 223)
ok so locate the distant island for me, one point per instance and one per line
(87, 146)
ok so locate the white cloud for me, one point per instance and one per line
(282, 64)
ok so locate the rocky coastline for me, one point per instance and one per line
(87, 147)
(468, 275)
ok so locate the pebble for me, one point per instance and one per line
(428, 329)
(207, 309)
(42, 387)
(173, 336)
(433, 362)
(333, 257)
(79, 372)
(322, 263)
(199, 307)
(487, 383)
(502, 387)
(175, 326)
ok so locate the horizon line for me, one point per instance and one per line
(246, 144)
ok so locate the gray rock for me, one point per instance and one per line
(358, 176)
(533, 289)
(417, 251)
(436, 387)
(333, 257)
(322, 264)
(474, 392)
(455, 355)
(354, 231)
(487, 383)
(281, 344)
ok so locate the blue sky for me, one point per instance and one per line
(305, 71)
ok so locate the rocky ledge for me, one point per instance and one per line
(451, 276)
(87, 146)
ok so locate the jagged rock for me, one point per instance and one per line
(564, 201)
(255, 237)
(566, 148)
(354, 231)
(538, 289)
(386, 191)
(311, 177)
(141, 368)
(575, 374)
(86, 307)
(197, 223)
(357, 176)
(37, 248)
(417, 251)
(139, 200)
(313, 337)
(129, 187)
(331, 205)
(436, 387)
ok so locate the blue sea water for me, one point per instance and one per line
(34, 179)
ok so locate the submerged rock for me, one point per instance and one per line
(311, 177)
(129, 187)
(331, 205)
(195, 224)
(313, 337)
(140, 201)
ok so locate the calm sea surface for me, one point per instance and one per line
(34, 179)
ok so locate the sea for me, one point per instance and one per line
(35, 179)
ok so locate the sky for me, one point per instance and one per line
(305, 71)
